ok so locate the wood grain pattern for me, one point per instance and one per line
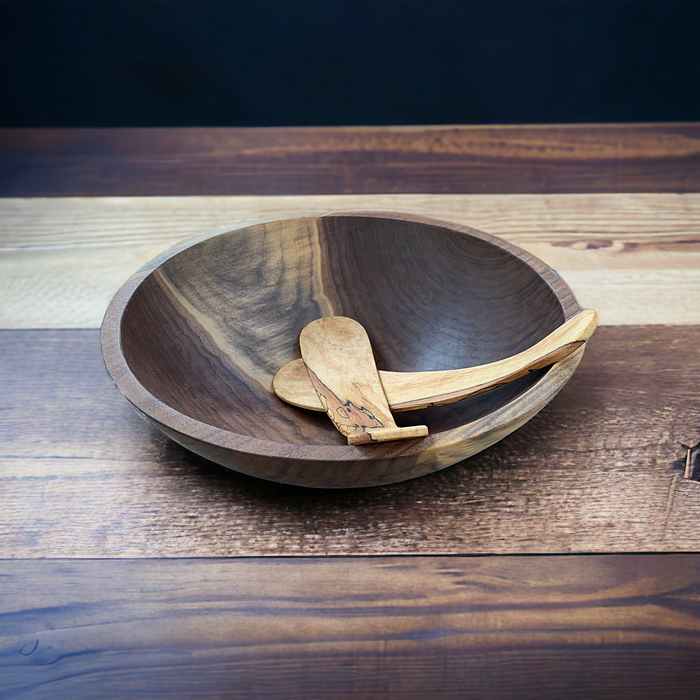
(599, 470)
(634, 258)
(437, 159)
(504, 627)
(407, 391)
(194, 339)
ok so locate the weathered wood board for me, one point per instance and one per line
(635, 258)
(531, 628)
(598, 470)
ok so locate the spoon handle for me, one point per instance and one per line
(425, 389)
(406, 391)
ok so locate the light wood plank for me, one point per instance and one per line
(600, 469)
(633, 257)
(498, 627)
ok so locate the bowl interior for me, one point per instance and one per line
(206, 330)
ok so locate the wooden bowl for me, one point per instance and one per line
(194, 338)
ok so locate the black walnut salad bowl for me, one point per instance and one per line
(194, 339)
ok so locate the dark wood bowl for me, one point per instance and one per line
(194, 338)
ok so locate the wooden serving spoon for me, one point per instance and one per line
(406, 391)
(340, 364)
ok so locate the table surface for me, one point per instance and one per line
(558, 562)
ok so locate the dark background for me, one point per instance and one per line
(327, 62)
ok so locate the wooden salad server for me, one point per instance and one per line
(406, 391)
(340, 364)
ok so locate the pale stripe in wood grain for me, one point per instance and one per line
(634, 257)
(647, 219)
(637, 297)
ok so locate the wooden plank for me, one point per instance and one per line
(498, 627)
(598, 470)
(634, 258)
(266, 161)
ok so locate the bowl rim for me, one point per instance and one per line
(515, 413)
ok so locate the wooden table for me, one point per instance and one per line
(558, 563)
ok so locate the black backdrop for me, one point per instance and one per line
(327, 62)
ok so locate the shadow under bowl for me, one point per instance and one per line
(195, 337)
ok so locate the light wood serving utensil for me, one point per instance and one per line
(340, 364)
(406, 391)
